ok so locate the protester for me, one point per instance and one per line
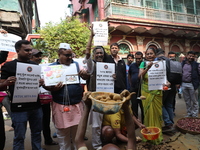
(3, 57)
(95, 117)
(172, 56)
(22, 112)
(190, 84)
(153, 103)
(168, 96)
(114, 126)
(135, 84)
(130, 59)
(131, 145)
(46, 109)
(120, 68)
(67, 106)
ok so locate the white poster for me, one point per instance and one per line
(104, 77)
(42, 90)
(52, 75)
(60, 73)
(100, 33)
(7, 42)
(82, 65)
(71, 74)
(27, 83)
(157, 75)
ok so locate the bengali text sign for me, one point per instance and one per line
(104, 77)
(157, 75)
(7, 42)
(27, 83)
(100, 33)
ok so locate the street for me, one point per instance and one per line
(180, 112)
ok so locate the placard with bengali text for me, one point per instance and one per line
(104, 77)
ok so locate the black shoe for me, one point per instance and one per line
(85, 138)
(169, 128)
(51, 143)
(179, 96)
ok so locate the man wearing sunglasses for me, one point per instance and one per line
(67, 106)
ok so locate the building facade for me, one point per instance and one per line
(173, 25)
(19, 17)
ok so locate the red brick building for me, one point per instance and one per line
(173, 25)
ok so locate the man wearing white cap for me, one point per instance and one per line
(67, 106)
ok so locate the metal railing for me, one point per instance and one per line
(122, 9)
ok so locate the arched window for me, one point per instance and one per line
(124, 48)
(153, 44)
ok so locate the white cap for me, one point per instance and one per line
(64, 46)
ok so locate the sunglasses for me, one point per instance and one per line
(68, 55)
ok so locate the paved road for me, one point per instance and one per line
(180, 112)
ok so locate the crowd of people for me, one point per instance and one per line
(71, 110)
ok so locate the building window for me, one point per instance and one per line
(124, 48)
(197, 7)
(152, 4)
(96, 12)
(190, 7)
(121, 1)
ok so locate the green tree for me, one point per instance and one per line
(70, 31)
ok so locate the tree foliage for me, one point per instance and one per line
(70, 31)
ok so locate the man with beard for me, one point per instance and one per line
(120, 68)
(66, 106)
(135, 84)
(90, 76)
(190, 84)
(130, 58)
(27, 111)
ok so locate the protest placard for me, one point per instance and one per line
(53, 74)
(104, 77)
(71, 74)
(7, 42)
(100, 33)
(27, 83)
(157, 75)
(82, 65)
(42, 90)
(60, 73)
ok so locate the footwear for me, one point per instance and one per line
(179, 96)
(85, 138)
(168, 128)
(51, 143)
(54, 135)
